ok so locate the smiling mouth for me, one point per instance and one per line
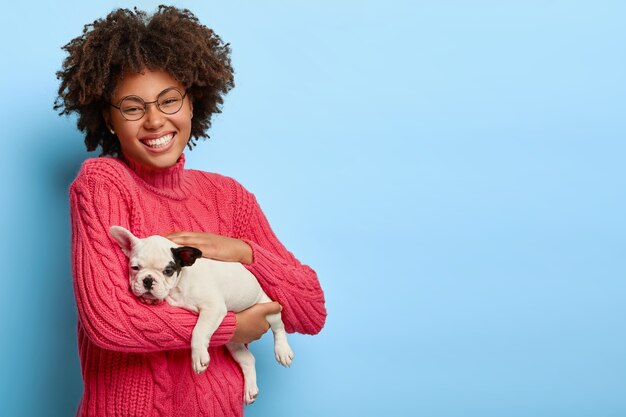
(158, 143)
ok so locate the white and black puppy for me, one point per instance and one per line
(162, 270)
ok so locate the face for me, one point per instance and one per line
(157, 139)
(153, 271)
(155, 263)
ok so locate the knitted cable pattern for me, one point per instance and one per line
(135, 358)
(282, 276)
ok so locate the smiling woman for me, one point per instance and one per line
(126, 44)
(153, 133)
(144, 87)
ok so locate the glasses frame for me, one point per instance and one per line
(145, 103)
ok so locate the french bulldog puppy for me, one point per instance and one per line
(161, 270)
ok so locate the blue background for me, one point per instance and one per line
(454, 171)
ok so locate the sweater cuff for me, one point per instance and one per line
(293, 285)
(226, 330)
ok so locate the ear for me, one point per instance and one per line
(106, 115)
(124, 238)
(186, 255)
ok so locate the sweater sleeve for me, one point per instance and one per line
(111, 315)
(283, 278)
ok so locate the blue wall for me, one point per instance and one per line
(453, 170)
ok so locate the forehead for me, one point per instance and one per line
(147, 84)
(152, 253)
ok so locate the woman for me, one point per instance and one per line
(145, 87)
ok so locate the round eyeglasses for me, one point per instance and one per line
(169, 101)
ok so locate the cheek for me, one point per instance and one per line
(183, 121)
(132, 279)
(127, 133)
(171, 281)
(184, 116)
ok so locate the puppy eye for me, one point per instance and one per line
(135, 268)
(168, 271)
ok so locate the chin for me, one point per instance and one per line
(155, 157)
(164, 160)
(150, 301)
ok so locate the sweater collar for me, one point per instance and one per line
(171, 182)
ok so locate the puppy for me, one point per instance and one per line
(162, 270)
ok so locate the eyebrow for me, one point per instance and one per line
(138, 96)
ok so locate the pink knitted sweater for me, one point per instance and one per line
(135, 358)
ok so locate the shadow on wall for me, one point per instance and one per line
(58, 382)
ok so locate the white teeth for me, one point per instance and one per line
(160, 142)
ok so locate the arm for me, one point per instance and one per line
(294, 285)
(110, 314)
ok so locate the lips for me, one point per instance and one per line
(158, 142)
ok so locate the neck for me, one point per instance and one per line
(169, 181)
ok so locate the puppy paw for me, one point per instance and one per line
(199, 360)
(251, 391)
(284, 354)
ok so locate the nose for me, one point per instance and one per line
(153, 118)
(147, 283)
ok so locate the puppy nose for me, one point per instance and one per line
(147, 283)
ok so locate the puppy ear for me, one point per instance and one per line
(124, 238)
(186, 255)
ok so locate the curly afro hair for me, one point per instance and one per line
(131, 41)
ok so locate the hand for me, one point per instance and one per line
(214, 246)
(252, 324)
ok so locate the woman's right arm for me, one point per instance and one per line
(111, 315)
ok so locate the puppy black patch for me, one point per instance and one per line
(171, 268)
(186, 255)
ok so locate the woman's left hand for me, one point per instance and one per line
(214, 246)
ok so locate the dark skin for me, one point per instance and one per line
(251, 323)
(214, 246)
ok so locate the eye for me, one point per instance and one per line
(169, 101)
(131, 111)
(168, 272)
(132, 106)
(135, 267)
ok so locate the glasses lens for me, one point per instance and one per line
(133, 108)
(170, 101)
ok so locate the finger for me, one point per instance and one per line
(186, 240)
(179, 240)
(178, 235)
(187, 234)
(271, 308)
(173, 237)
